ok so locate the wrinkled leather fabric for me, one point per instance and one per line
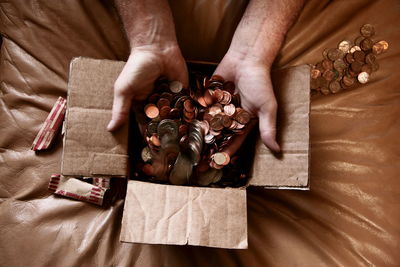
(349, 218)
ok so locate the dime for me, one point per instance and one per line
(367, 30)
(221, 158)
(363, 77)
(344, 46)
(229, 109)
(151, 111)
(146, 154)
(175, 87)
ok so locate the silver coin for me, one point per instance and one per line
(182, 170)
(167, 127)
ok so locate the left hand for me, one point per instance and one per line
(253, 83)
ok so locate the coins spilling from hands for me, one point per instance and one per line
(187, 131)
(349, 64)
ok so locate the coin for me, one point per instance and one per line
(152, 128)
(359, 56)
(348, 81)
(174, 113)
(356, 66)
(355, 48)
(315, 73)
(155, 140)
(229, 109)
(188, 105)
(211, 175)
(367, 30)
(167, 127)
(378, 48)
(209, 138)
(151, 111)
(146, 154)
(334, 54)
(175, 87)
(162, 102)
(363, 77)
(226, 99)
(366, 68)
(217, 78)
(183, 129)
(334, 87)
(215, 109)
(366, 44)
(358, 40)
(218, 95)
(164, 112)
(208, 97)
(328, 75)
(344, 46)
(370, 58)
(339, 64)
(325, 53)
(242, 116)
(216, 124)
(324, 90)
(384, 44)
(349, 58)
(221, 158)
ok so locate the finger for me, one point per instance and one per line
(179, 73)
(121, 106)
(237, 140)
(267, 124)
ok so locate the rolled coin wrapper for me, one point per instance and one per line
(51, 125)
(76, 189)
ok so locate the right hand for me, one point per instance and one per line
(145, 65)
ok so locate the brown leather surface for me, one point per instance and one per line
(349, 218)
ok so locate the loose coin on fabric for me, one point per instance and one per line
(367, 30)
(334, 87)
(363, 77)
(355, 48)
(344, 46)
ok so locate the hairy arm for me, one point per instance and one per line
(154, 52)
(254, 46)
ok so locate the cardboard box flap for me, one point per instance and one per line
(290, 169)
(168, 214)
(89, 149)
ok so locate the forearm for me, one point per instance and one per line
(147, 22)
(262, 29)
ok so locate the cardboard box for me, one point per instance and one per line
(89, 149)
(169, 214)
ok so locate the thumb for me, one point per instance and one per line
(267, 124)
(121, 106)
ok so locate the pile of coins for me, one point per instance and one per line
(349, 64)
(188, 131)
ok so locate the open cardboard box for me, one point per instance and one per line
(169, 214)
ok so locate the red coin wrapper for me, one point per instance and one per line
(51, 125)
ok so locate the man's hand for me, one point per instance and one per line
(253, 83)
(135, 83)
(154, 52)
(254, 47)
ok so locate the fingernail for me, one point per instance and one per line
(110, 125)
(276, 147)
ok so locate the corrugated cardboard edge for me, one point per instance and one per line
(304, 71)
(168, 214)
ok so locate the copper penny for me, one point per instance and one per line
(325, 90)
(315, 73)
(218, 95)
(217, 78)
(325, 53)
(359, 56)
(229, 86)
(327, 64)
(328, 75)
(208, 97)
(216, 124)
(349, 58)
(183, 129)
(339, 64)
(226, 121)
(155, 140)
(242, 117)
(334, 54)
(366, 68)
(202, 101)
(366, 44)
(188, 105)
(356, 66)
(163, 102)
(370, 58)
(367, 30)
(174, 113)
(348, 81)
(215, 109)
(334, 87)
(358, 40)
(151, 111)
(226, 99)
(164, 112)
